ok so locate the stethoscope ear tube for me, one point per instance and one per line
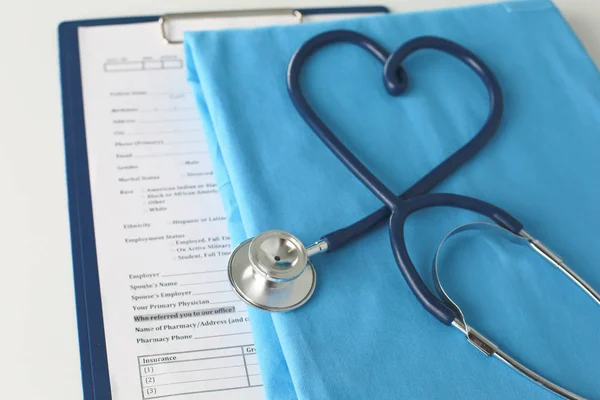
(483, 344)
(439, 309)
(432, 304)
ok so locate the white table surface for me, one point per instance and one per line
(39, 356)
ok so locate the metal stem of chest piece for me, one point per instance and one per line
(316, 248)
(485, 345)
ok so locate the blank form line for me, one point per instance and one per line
(194, 273)
(194, 370)
(151, 110)
(170, 154)
(245, 386)
(201, 380)
(229, 334)
(163, 132)
(184, 142)
(156, 121)
(171, 93)
(204, 283)
(223, 302)
(203, 293)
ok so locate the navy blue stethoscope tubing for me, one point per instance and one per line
(398, 208)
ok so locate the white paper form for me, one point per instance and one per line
(173, 326)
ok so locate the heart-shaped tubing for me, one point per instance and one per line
(396, 81)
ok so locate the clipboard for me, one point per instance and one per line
(93, 355)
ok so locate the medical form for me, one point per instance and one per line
(173, 326)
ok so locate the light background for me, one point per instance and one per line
(39, 356)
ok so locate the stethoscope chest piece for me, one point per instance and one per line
(272, 272)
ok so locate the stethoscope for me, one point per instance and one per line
(273, 271)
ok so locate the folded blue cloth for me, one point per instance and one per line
(364, 335)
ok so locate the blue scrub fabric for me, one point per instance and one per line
(363, 335)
